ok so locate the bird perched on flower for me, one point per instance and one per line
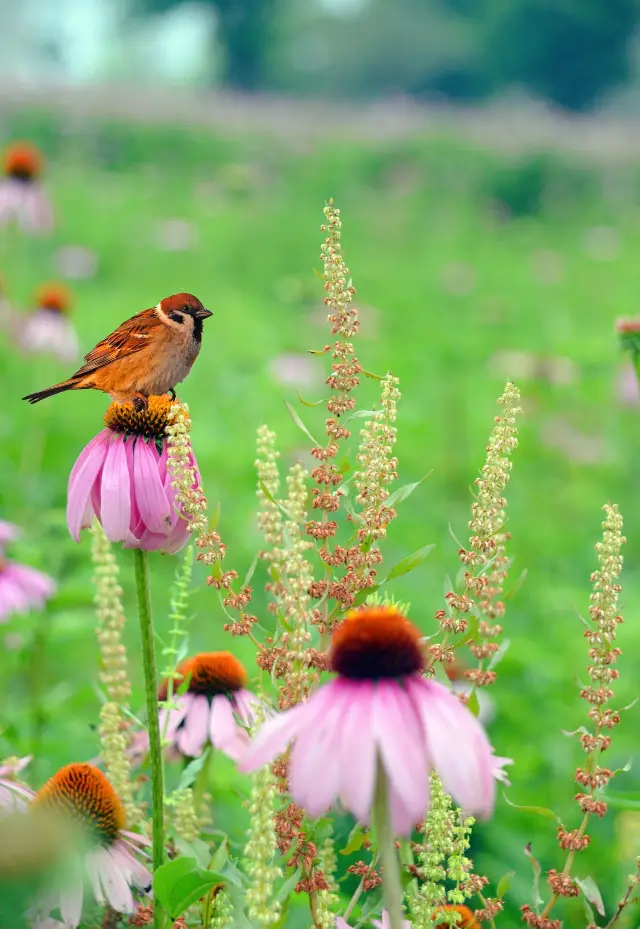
(48, 328)
(146, 355)
(23, 199)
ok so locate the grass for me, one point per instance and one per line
(447, 286)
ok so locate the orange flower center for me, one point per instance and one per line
(53, 297)
(209, 673)
(22, 161)
(466, 918)
(84, 793)
(375, 642)
(150, 423)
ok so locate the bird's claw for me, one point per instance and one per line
(172, 393)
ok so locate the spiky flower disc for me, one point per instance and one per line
(53, 297)
(22, 161)
(82, 792)
(209, 674)
(376, 642)
(149, 423)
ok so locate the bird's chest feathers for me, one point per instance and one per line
(178, 354)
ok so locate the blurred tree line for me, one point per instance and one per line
(569, 52)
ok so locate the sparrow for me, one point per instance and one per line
(147, 354)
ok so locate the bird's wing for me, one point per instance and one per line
(131, 337)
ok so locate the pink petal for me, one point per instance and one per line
(276, 733)
(193, 735)
(401, 743)
(359, 747)
(403, 820)
(457, 745)
(93, 862)
(150, 496)
(176, 714)
(8, 532)
(71, 905)
(133, 871)
(316, 763)
(245, 704)
(224, 732)
(115, 496)
(81, 480)
(116, 889)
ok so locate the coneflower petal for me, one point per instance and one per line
(81, 480)
(224, 732)
(358, 746)
(193, 735)
(115, 885)
(115, 512)
(149, 492)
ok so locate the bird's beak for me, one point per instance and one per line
(203, 314)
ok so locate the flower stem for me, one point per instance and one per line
(140, 560)
(391, 884)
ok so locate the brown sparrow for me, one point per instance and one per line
(148, 354)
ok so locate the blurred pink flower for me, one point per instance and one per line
(206, 711)
(22, 589)
(44, 331)
(13, 796)
(23, 199)
(82, 793)
(8, 533)
(121, 479)
(380, 708)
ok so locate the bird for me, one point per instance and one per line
(146, 355)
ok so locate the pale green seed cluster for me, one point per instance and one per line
(114, 738)
(299, 577)
(114, 724)
(441, 859)
(604, 599)
(377, 466)
(337, 279)
(184, 817)
(488, 508)
(270, 519)
(223, 917)
(181, 467)
(260, 849)
(328, 900)
(111, 618)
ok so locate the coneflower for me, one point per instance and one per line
(48, 328)
(23, 199)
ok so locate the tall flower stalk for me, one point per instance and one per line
(140, 560)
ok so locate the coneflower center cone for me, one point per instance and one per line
(22, 162)
(208, 674)
(376, 642)
(150, 423)
(82, 792)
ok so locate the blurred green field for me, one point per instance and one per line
(470, 267)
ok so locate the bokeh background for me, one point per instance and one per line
(484, 157)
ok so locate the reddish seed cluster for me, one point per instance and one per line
(562, 884)
(143, 916)
(486, 914)
(370, 877)
(237, 601)
(573, 841)
(538, 922)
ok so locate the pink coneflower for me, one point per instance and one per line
(80, 796)
(8, 533)
(22, 589)
(206, 712)
(22, 198)
(121, 478)
(48, 328)
(379, 712)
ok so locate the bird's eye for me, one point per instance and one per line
(176, 316)
(186, 308)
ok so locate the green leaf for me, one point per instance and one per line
(250, 572)
(357, 837)
(287, 887)
(591, 891)
(196, 849)
(299, 423)
(221, 856)
(401, 494)
(192, 770)
(473, 703)
(362, 595)
(540, 810)
(410, 562)
(535, 864)
(622, 800)
(181, 882)
(497, 657)
(504, 884)
(308, 402)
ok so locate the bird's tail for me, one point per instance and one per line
(71, 384)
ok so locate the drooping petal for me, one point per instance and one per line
(171, 719)
(115, 511)
(401, 743)
(457, 745)
(81, 480)
(316, 762)
(116, 889)
(134, 872)
(193, 735)
(245, 704)
(359, 747)
(149, 493)
(274, 736)
(94, 863)
(71, 904)
(224, 732)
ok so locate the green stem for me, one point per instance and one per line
(391, 883)
(140, 560)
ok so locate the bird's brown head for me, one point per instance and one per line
(184, 310)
